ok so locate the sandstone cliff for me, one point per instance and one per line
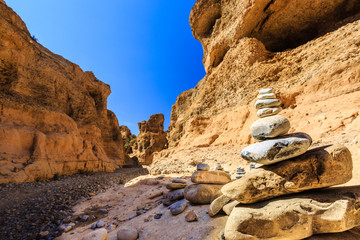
(53, 116)
(151, 139)
(308, 51)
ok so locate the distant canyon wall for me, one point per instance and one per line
(308, 51)
(53, 116)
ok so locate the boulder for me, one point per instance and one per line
(128, 233)
(318, 168)
(218, 204)
(269, 127)
(201, 193)
(276, 150)
(100, 234)
(295, 217)
(217, 177)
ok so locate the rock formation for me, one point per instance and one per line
(54, 118)
(151, 138)
(317, 67)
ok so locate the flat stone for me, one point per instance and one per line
(269, 127)
(176, 185)
(191, 216)
(217, 177)
(178, 207)
(266, 112)
(175, 195)
(266, 90)
(230, 206)
(202, 167)
(128, 233)
(217, 205)
(277, 150)
(267, 96)
(201, 193)
(100, 234)
(297, 216)
(318, 168)
(267, 103)
(179, 180)
(167, 202)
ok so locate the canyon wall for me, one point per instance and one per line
(53, 116)
(308, 51)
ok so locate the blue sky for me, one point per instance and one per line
(143, 49)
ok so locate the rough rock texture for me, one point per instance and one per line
(317, 82)
(151, 138)
(54, 118)
(295, 217)
(318, 168)
(217, 205)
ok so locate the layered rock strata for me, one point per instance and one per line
(54, 118)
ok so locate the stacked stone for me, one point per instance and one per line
(240, 172)
(175, 195)
(268, 129)
(206, 184)
(287, 169)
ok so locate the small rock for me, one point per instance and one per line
(43, 234)
(266, 112)
(167, 202)
(176, 185)
(176, 195)
(127, 234)
(68, 228)
(61, 227)
(266, 96)
(266, 90)
(202, 167)
(219, 167)
(217, 205)
(103, 210)
(269, 127)
(100, 224)
(93, 226)
(133, 216)
(110, 227)
(191, 216)
(222, 235)
(179, 180)
(216, 177)
(84, 218)
(158, 215)
(178, 207)
(100, 234)
(267, 103)
(276, 150)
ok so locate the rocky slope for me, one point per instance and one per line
(309, 52)
(53, 116)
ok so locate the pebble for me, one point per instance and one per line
(267, 103)
(68, 228)
(158, 215)
(266, 90)
(84, 218)
(202, 167)
(176, 195)
(266, 112)
(276, 150)
(127, 234)
(167, 202)
(100, 224)
(103, 210)
(178, 207)
(191, 216)
(100, 234)
(266, 96)
(269, 127)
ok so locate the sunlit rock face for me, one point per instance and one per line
(54, 118)
(308, 51)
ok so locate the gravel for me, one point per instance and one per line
(29, 209)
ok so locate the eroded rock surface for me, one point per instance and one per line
(151, 138)
(54, 118)
(295, 217)
(318, 168)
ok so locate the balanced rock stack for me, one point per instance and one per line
(174, 198)
(287, 168)
(206, 184)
